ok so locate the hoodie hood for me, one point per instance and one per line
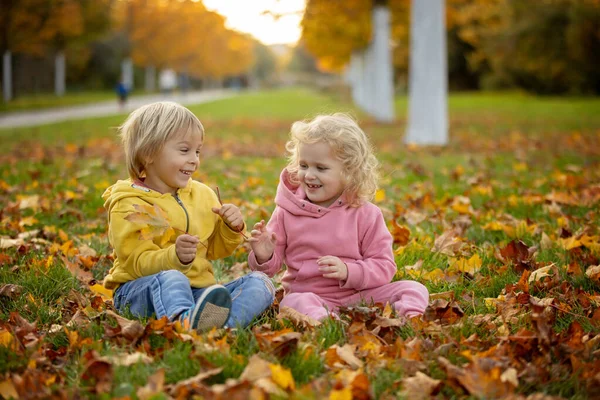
(292, 198)
(128, 188)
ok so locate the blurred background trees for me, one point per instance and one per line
(546, 47)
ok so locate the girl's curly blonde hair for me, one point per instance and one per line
(349, 144)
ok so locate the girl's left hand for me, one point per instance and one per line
(333, 267)
(231, 215)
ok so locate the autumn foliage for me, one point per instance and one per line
(501, 226)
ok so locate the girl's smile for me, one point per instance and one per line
(320, 173)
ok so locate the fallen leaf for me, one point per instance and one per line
(420, 387)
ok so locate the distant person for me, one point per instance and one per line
(122, 93)
(334, 242)
(173, 276)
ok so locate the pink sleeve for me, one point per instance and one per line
(377, 266)
(272, 266)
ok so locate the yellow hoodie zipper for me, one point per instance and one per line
(187, 217)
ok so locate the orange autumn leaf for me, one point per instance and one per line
(401, 234)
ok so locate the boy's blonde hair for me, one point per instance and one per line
(349, 144)
(148, 128)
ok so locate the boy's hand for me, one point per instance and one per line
(262, 242)
(231, 215)
(333, 267)
(186, 247)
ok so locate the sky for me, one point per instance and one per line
(246, 16)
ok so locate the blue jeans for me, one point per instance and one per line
(169, 293)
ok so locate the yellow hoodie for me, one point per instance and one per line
(188, 211)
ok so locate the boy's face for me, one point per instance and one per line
(320, 173)
(173, 166)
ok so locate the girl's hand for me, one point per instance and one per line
(186, 247)
(333, 267)
(231, 215)
(262, 242)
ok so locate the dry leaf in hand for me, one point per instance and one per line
(156, 221)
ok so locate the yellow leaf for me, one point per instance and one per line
(520, 167)
(569, 243)
(437, 275)
(343, 394)
(282, 376)
(462, 205)
(7, 390)
(483, 190)
(6, 339)
(470, 266)
(28, 221)
(379, 195)
(102, 291)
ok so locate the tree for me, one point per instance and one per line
(428, 77)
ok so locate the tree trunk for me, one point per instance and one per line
(150, 79)
(59, 74)
(381, 85)
(7, 76)
(370, 72)
(428, 74)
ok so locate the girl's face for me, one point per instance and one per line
(320, 173)
(173, 166)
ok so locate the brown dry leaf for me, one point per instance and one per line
(183, 386)
(342, 357)
(97, 372)
(483, 377)
(127, 359)
(278, 343)
(519, 254)
(447, 243)
(593, 272)
(446, 312)
(131, 330)
(11, 291)
(155, 385)
(82, 275)
(401, 234)
(420, 387)
(298, 319)
(414, 217)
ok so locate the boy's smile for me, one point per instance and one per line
(174, 165)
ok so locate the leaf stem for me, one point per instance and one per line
(221, 202)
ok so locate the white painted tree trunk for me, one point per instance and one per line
(59, 74)
(428, 74)
(127, 73)
(7, 76)
(370, 72)
(150, 79)
(380, 61)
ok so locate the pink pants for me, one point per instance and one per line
(409, 298)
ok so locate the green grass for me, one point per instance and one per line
(508, 153)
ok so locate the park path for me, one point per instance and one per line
(49, 115)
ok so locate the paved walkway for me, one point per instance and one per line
(46, 116)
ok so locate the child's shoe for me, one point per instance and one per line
(211, 310)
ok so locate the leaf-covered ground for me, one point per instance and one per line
(501, 226)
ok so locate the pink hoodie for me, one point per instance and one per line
(305, 232)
